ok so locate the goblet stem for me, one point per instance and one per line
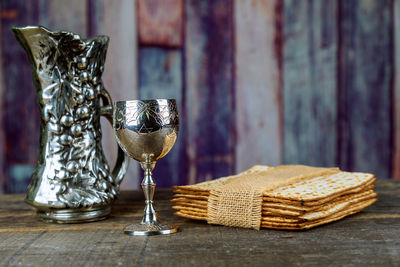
(150, 224)
(149, 186)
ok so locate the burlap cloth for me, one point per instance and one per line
(238, 202)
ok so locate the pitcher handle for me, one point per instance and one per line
(122, 163)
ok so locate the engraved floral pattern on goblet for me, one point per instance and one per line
(147, 130)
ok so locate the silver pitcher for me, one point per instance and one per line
(72, 181)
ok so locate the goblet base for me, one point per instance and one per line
(150, 229)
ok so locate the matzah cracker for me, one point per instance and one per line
(278, 212)
(281, 219)
(346, 199)
(189, 200)
(320, 202)
(365, 191)
(198, 197)
(284, 206)
(321, 187)
(191, 192)
(333, 208)
(191, 209)
(328, 210)
(188, 216)
(208, 185)
(193, 213)
(307, 225)
(187, 204)
(312, 205)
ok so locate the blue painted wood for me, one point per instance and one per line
(309, 83)
(365, 86)
(209, 90)
(160, 76)
(18, 174)
(19, 103)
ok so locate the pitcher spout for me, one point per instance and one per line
(23, 34)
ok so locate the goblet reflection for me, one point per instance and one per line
(147, 130)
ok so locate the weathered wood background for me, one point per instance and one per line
(257, 81)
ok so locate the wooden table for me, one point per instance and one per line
(370, 237)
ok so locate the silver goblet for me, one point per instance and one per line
(147, 130)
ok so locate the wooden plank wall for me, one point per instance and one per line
(20, 115)
(160, 76)
(2, 143)
(396, 91)
(258, 87)
(366, 86)
(209, 97)
(257, 81)
(117, 19)
(309, 86)
(160, 71)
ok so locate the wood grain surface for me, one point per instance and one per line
(365, 86)
(309, 85)
(371, 237)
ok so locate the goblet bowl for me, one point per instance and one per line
(146, 129)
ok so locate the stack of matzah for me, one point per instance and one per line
(300, 205)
